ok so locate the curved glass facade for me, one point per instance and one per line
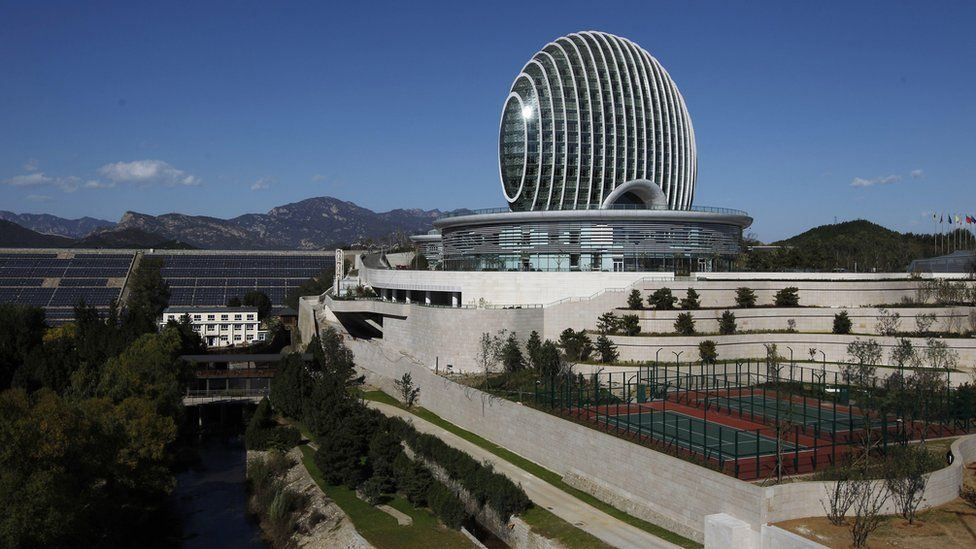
(588, 113)
(589, 245)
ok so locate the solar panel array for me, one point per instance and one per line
(58, 282)
(213, 279)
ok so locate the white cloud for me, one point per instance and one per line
(917, 174)
(262, 184)
(148, 172)
(318, 178)
(31, 165)
(39, 198)
(95, 184)
(39, 179)
(885, 180)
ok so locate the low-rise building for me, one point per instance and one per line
(220, 326)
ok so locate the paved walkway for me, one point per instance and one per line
(563, 505)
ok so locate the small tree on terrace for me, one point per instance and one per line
(726, 324)
(608, 323)
(512, 358)
(707, 351)
(489, 353)
(888, 322)
(866, 354)
(606, 349)
(634, 300)
(685, 324)
(691, 300)
(842, 323)
(407, 392)
(532, 347)
(788, 297)
(630, 324)
(662, 299)
(906, 474)
(745, 298)
(924, 322)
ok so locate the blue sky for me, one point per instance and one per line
(803, 111)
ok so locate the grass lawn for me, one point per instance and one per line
(379, 528)
(539, 471)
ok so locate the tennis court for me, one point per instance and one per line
(792, 411)
(696, 435)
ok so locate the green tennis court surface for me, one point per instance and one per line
(700, 436)
(791, 411)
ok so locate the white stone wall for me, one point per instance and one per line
(660, 488)
(834, 346)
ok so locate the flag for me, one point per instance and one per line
(957, 219)
(942, 218)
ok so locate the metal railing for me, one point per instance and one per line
(592, 207)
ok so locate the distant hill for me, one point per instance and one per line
(859, 244)
(52, 224)
(129, 238)
(13, 235)
(312, 224)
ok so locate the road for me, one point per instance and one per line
(565, 506)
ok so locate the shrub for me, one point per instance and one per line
(408, 393)
(707, 351)
(888, 322)
(634, 300)
(608, 323)
(512, 358)
(372, 490)
(685, 324)
(842, 323)
(745, 298)
(549, 363)
(446, 505)
(662, 299)
(263, 433)
(606, 349)
(691, 300)
(788, 297)
(726, 324)
(630, 324)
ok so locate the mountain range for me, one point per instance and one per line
(311, 224)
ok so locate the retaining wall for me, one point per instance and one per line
(660, 488)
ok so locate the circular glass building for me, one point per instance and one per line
(594, 120)
(598, 165)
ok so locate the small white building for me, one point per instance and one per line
(220, 326)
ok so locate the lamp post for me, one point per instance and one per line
(656, 353)
(676, 354)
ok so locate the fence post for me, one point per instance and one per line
(737, 453)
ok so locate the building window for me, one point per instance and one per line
(225, 326)
(238, 326)
(237, 338)
(237, 317)
(196, 317)
(250, 316)
(210, 317)
(223, 317)
(223, 338)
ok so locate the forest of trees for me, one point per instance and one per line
(856, 244)
(89, 412)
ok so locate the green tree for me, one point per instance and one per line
(576, 345)
(787, 297)
(512, 358)
(341, 454)
(148, 296)
(708, 351)
(726, 324)
(21, 331)
(608, 323)
(691, 301)
(745, 298)
(289, 386)
(316, 285)
(532, 347)
(406, 391)
(258, 299)
(685, 324)
(148, 368)
(606, 349)
(662, 299)
(634, 300)
(384, 449)
(234, 302)
(630, 324)
(549, 361)
(842, 323)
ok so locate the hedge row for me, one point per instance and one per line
(485, 485)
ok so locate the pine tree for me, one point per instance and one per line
(685, 324)
(608, 323)
(606, 349)
(532, 347)
(662, 299)
(691, 301)
(512, 358)
(788, 297)
(630, 324)
(745, 297)
(726, 324)
(634, 300)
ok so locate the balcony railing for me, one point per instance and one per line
(591, 207)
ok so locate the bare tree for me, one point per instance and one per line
(906, 474)
(869, 499)
(867, 353)
(489, 352)
(940, 355)
(924, 322)
(408, 393)
(888, 322)
(840, 497)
